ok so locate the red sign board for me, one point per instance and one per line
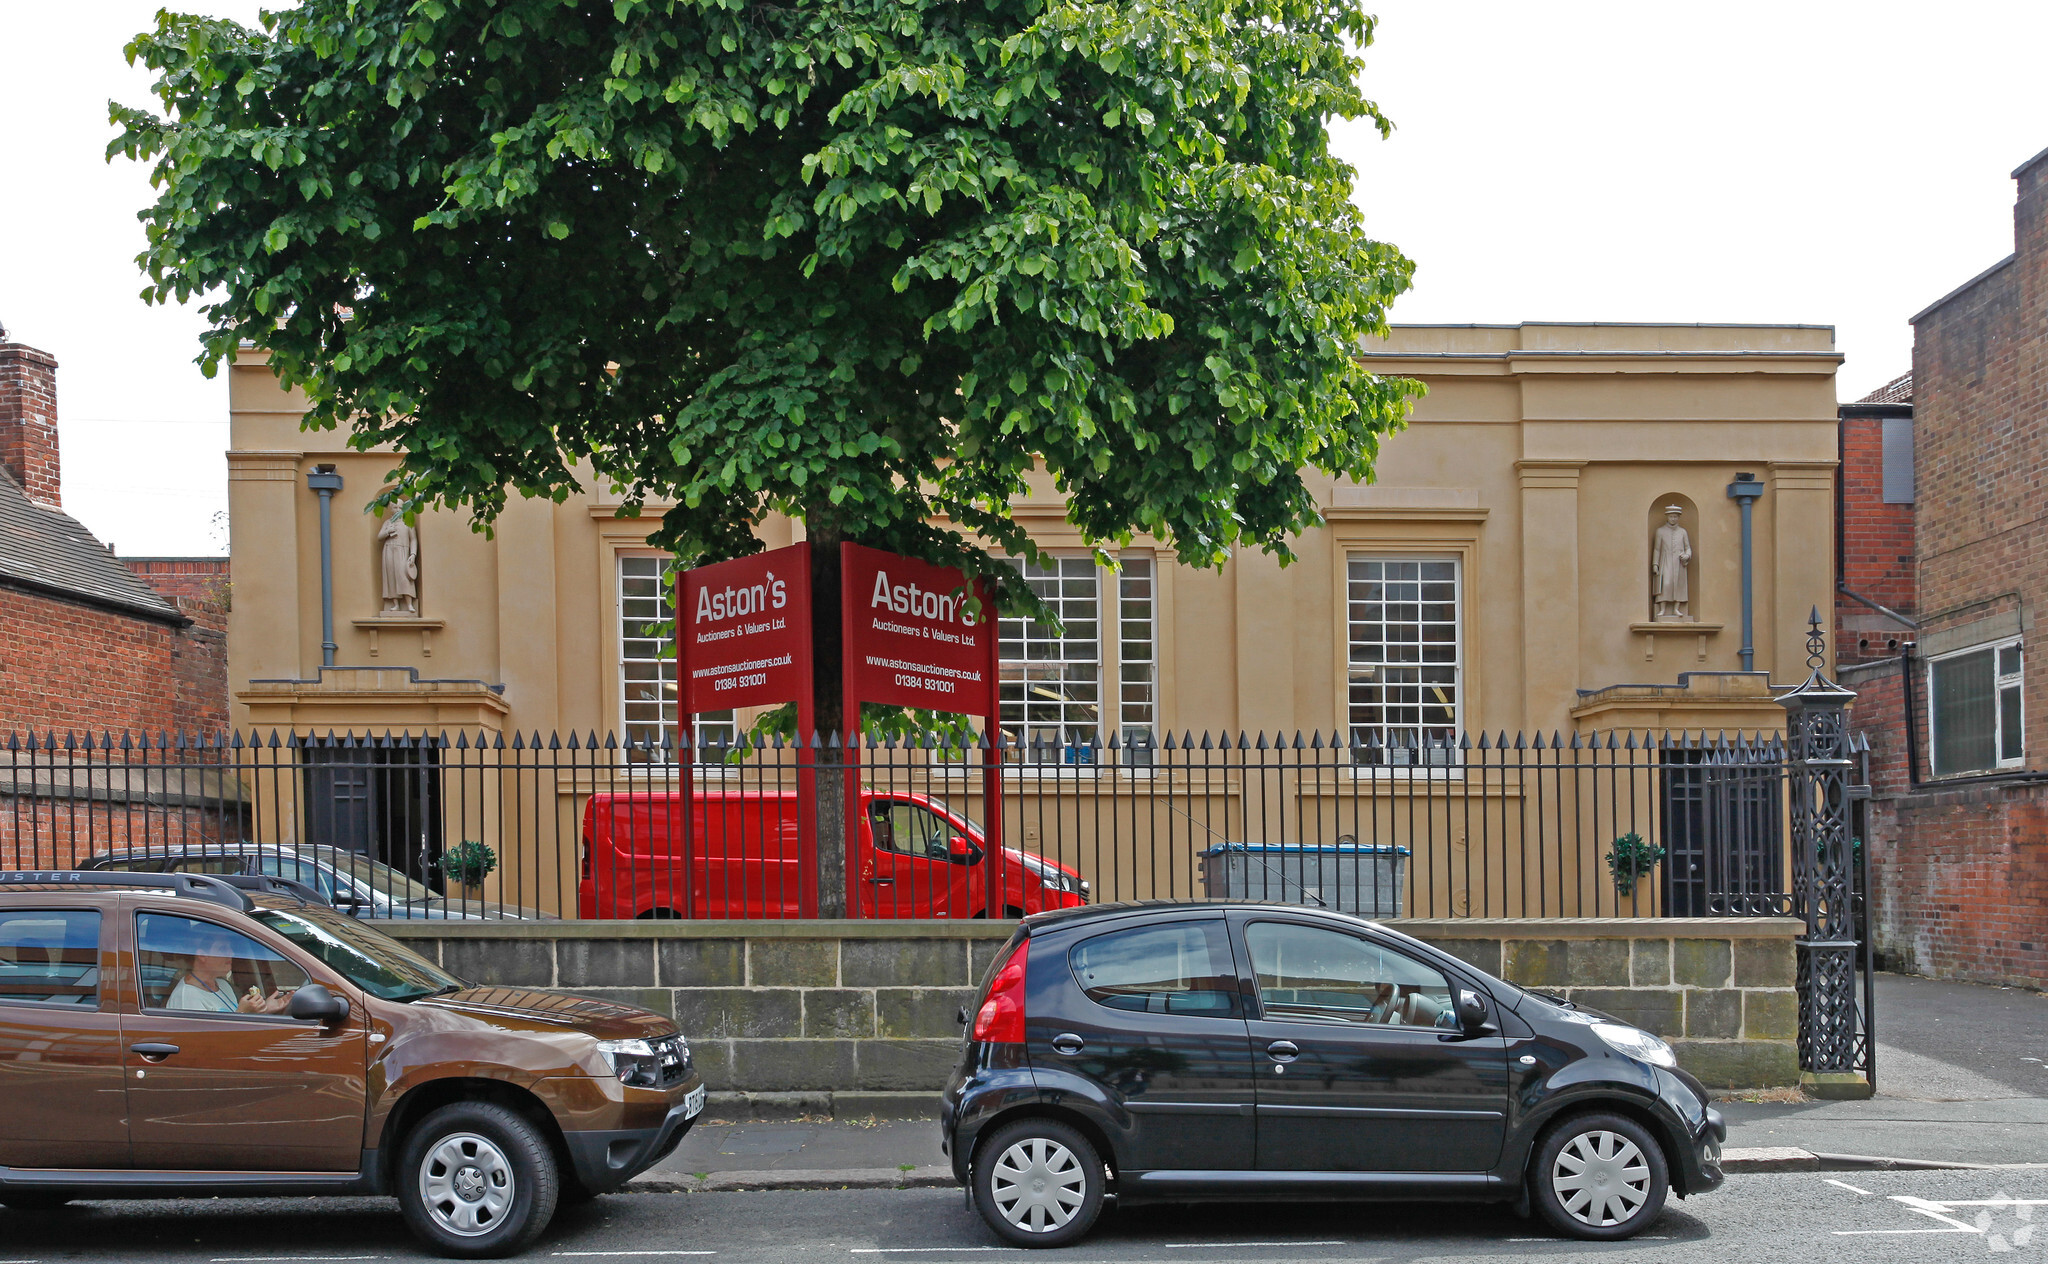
(743, 629)
(913, 638)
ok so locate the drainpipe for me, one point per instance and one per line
(325, 482)
(1744, 490)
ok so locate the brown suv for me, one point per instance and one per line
(170, 1034)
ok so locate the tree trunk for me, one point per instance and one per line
(829, 704)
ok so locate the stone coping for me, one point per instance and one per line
(938, 928)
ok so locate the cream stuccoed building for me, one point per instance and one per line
(1497, 575)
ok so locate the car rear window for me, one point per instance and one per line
(1179, 968)
(50, 957)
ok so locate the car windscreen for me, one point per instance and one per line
(372, 961)
(381, 878)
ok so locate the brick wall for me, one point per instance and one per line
(200, 579)
(1980, 403)
(1961, 876)
(28, 420)
(1960, 872)
(853, 1012)
(69, 665)
(1876, 544)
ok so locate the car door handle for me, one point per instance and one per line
(883, 882)
(1068, 1043)
(1283, 1050)
(153, 1051)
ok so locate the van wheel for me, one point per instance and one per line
(659, 915)
(1600, 1177)
(1038, 1183)
(476, 1181)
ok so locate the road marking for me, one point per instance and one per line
(910, 1250)
(1888, 1233)
(1174, 1246)
(1933, 1211)
(611, 1254)
(258, 1259)
(1846, 1185)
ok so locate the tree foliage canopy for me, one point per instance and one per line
(863, 261)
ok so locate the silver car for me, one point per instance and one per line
(350, 881)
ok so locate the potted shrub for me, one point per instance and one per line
(1629, 859)
(467, 864)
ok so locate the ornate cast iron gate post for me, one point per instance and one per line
(1819, 759)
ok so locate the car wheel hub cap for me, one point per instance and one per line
(1038, 1185)
(466, 1183)
(1601, 1178)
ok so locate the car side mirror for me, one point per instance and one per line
(962, 849)
(1472, 1014)
(314, 1003)
(352, 905)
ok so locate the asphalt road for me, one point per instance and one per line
(1872, 1217)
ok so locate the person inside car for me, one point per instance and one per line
(205, 985)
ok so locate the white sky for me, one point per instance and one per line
(1805, 161)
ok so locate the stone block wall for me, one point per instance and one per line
(859, 1015)
(815, 1008)
(1719, 989)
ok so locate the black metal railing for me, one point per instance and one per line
(485, 824)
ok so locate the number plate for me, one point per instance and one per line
(693, 1103)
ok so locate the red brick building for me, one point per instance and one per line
(85, 641)
(1958, 826)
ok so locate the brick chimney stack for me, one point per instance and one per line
(28, 419)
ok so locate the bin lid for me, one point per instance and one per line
(1346, 849)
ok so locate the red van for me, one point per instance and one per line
(917, 858)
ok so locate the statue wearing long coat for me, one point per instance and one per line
(1668, 560)
(400, 556)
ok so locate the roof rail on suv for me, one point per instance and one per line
(196, 886)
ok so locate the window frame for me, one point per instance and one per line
(2001, 682)
(1255, 1009)
(100, 947)
(1110, 660)
(1461, 661)
(285, 952)
(1215, 929)
(651, 766)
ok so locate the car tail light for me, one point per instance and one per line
(1001, 1017)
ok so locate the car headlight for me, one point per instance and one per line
(648, 1063)
(1636, 1043)
(1053, 878)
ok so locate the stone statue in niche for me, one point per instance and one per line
(399, 549)
(1670, 554)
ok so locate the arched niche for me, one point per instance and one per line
(1689, 519)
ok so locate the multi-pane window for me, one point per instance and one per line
(1976, 719)
(1051, 687)
(647, 666)
(1099, 676)
(1405, 657)
(1137, 657)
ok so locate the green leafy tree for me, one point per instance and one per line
(860, 261)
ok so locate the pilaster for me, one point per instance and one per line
(1550, 591)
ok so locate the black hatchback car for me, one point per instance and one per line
(1175, 1052)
